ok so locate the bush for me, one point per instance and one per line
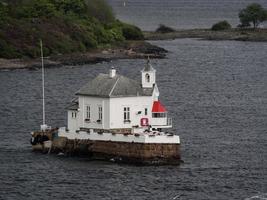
(3, 11)
(7, 51)
(77, 7)
(243, 25)
(37, 9)
(222, 25)
(116, 34)
(164, 29)
(131, 32)
(100, 10)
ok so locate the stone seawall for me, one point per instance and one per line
(139, 153)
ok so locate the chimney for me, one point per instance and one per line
(112, 72)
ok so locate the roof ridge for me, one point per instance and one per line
(114, 86)
(118, 86)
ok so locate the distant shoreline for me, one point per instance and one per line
(258, 35)
(135, 49)
(129, 50)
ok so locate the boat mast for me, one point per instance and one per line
(43, 84)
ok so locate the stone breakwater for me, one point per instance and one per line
(123, 152)
(133, 151)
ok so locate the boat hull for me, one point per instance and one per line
(43, 147)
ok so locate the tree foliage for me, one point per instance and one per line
(77, 7)
(164, 29)
(253, 13)
(222, 25)
(100, 10)
(3, 11)
(64, 25)
(131, 32)
(37, 9)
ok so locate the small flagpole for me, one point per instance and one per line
(43, 81)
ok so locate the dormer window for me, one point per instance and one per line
(147, 78)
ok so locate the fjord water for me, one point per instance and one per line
(180, 14)
(214, 90)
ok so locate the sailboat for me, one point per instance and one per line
(42, 139)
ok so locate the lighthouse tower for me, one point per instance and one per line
(148, 76)
(149, 80)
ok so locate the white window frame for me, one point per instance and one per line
(100, 114)
(73, 114)
(87, 113)
(126, 114)
(159, 115)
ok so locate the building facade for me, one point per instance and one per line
(115, 102)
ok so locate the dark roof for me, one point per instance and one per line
(119, 86)
(74, 105)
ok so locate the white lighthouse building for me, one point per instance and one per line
(116, 118)
(112, 102)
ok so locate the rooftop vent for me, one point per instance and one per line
(112, 72)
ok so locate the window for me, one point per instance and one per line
(88, 114)
(145, 111)
(147, 78)
(100, 113)
(73, 114)
(126, 114)
(158, 115)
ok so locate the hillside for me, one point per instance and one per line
(65, 26)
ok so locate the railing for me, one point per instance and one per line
(161, 121)
(169, 121)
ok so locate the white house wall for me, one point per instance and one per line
(136, 104)
(72, 120)
(112, 112)
(94, 103)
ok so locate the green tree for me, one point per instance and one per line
(222, 25)
(253, 13)
(77, 7)
(131, 32)
(164, 29)
(3, 11)
(36, 9)
(100, 10)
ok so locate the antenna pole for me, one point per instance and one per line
(43, 82)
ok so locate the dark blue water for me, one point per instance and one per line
(215, 91)
(180, 14)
